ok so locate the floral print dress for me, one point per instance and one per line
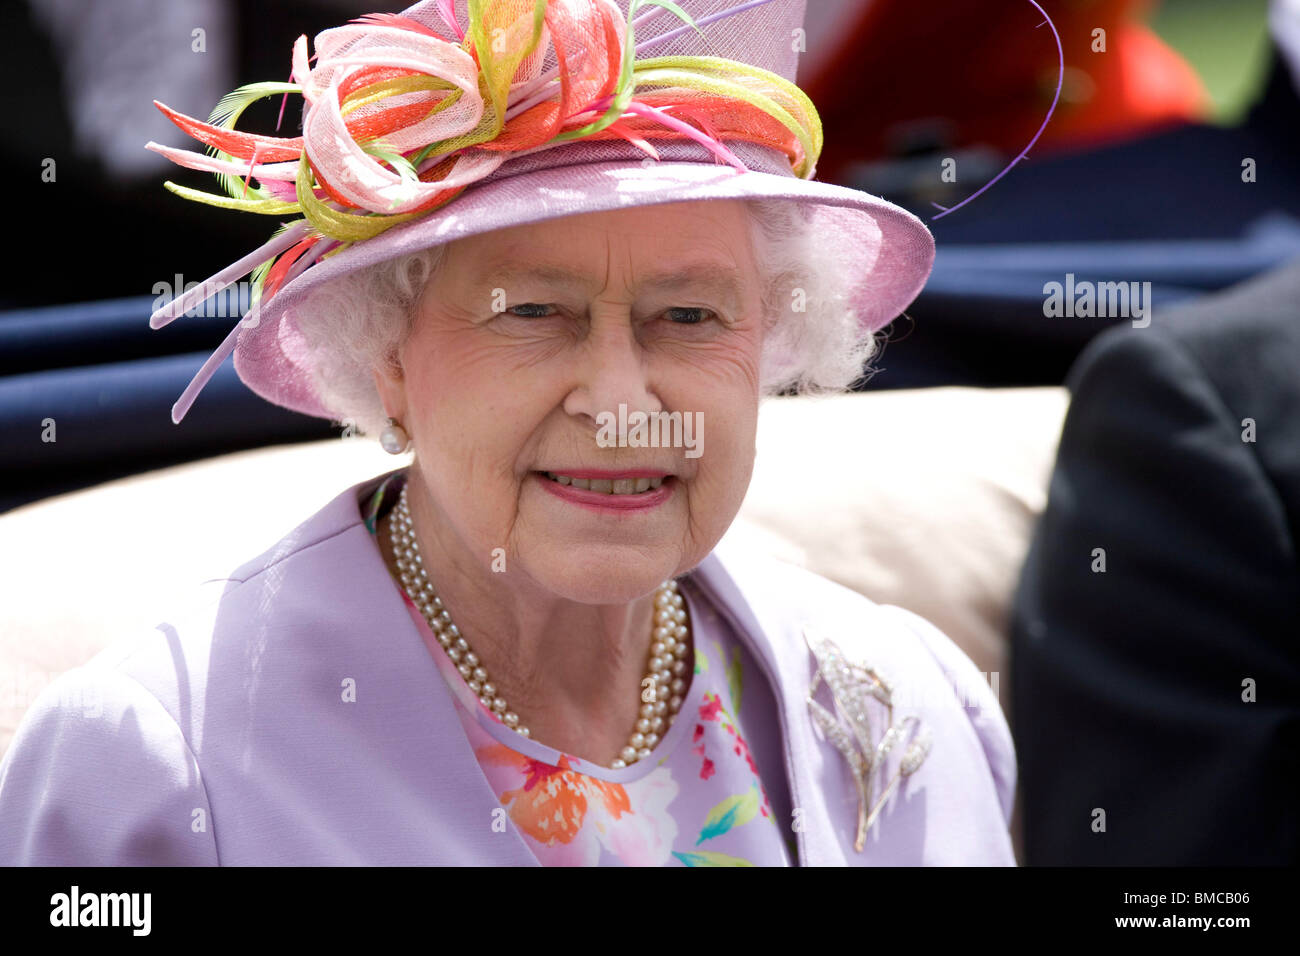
(711, 793)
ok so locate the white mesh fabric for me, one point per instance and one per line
(761, 36)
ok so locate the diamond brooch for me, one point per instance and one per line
(853, 686)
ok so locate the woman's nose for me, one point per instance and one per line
(610, 371)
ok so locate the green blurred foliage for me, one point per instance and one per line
(1226, 42)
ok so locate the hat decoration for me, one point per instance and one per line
(400, 118)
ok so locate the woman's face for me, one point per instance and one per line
(529, 339)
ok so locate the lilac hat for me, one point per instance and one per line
(457, 118)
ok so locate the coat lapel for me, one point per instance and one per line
(441, 737)
(789, 668)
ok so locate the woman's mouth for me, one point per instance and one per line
(633, 492)
(616, 486)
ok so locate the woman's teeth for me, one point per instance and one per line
(619, 486)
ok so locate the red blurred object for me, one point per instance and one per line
(985, 72)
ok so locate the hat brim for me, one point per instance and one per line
(890, 249)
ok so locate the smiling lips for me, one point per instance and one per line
(625, 484)
(633, 490)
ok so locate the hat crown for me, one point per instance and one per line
(760, 33)
(764, 35)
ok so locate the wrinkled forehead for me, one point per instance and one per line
(674, 247)
(680, 225)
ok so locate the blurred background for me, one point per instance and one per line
(1137, 174)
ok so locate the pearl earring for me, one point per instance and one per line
(393, 438)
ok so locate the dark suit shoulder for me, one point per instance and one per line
(1235, 354)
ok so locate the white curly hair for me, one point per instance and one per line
(814, 342)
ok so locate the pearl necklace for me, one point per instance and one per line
(663, 685)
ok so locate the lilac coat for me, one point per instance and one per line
(224, 737)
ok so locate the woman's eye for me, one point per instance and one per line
(688, 316)
(678, 316)
(531, 310)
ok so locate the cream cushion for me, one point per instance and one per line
(923, 499)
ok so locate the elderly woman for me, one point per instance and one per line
(527, 646)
